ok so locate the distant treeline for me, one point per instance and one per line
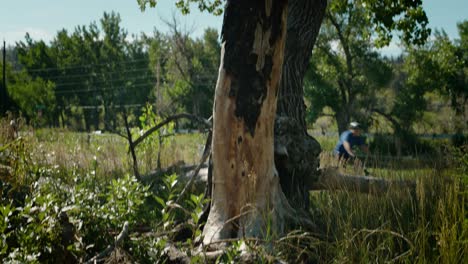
(86, 79)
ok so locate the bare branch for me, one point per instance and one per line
(167, 121)
(132, 146)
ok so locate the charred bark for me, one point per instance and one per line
(245, 181)
(296, 153)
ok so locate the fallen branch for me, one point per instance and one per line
(332, 180)
(123, 234)
(179, 167)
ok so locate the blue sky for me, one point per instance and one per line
(43, 18)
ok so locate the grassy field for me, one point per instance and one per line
(88, 174)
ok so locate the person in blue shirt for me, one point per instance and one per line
(348, 139)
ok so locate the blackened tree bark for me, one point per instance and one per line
(296, 152)
(245, 184)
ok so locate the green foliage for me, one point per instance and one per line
(385, 144)
(212, 6)
(406, 17)
(17, 158)
(146, 150)
(40, 207)
(35, 97)
(441, 66)
(231, 253)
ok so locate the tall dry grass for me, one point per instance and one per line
(429, 225)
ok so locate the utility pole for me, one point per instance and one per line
(3, 91)
(4, 64)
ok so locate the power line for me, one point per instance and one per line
(88, 66)
(101, 106)
(108, 88)
(84, 66)
(103, 89)
(153, 80)
(97, 74)
(104, 81)
(120, 75)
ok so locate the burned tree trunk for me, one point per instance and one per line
(296, 153)
(245, 182)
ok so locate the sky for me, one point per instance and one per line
(43, 18)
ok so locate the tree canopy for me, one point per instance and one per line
(346, 71)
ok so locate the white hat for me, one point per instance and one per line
(354, 125)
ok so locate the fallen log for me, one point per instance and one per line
(331, 179)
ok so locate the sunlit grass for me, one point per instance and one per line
(108, 154)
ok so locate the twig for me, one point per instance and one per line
(123, 234)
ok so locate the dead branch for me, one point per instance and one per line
(175, 255)
(131, 146)
(123, 234)
(198, 119)
(206, 154)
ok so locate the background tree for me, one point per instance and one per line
(346, 72)
(34, 96)
(96, 71)
(191, 69)
(441, 66)
(158, 46)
